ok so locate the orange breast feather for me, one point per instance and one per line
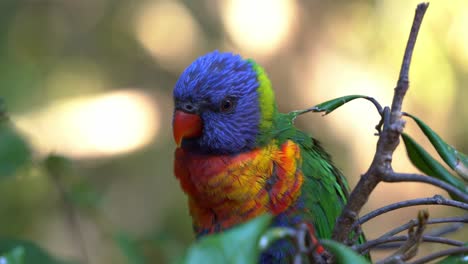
(225, 190)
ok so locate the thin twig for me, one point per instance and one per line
(403, 79)
(413, 177)
(413, 222)
(443, 253)
(410, 247)
(438, 232)
(72, 216)
(378, 127)
(379, 108)
(436, 200)
(387, 143)
(405, 65)
(388, 246)
(376, 104)
(442, 231)
(383, 240)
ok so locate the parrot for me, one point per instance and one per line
(238, 157)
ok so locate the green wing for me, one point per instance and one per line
(325, 190)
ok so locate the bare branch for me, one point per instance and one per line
(413, 222)
(439, 232)
(410, 247)
(436, 200)
(387, 143)
(403, 80)
(383, 240)
(376, 104)
(442, 240)
(447, 229)
(405, 177)
(443, 253)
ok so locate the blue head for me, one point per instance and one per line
(222, 104)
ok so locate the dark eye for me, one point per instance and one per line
(227, 105)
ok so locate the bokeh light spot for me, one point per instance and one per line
(103, 125)
(260, 26)
(168, 32)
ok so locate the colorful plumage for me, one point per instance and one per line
(238, 157)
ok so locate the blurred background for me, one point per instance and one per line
(92, 80)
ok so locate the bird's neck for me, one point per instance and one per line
(225, 190)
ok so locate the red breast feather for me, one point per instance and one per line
(226, 190)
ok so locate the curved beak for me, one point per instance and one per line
(185, 125)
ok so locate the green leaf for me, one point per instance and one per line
(32, 254)
(342, 253)
(454, 159)
(130, 249)
(428, 165)
(331, 105)
(14, 150)
(15, 256)
(238, 245)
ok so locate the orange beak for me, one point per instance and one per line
(185, 125)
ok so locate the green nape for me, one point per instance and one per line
(266, 101)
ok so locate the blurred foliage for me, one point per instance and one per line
(130, 249)
(237, 246)
(14, 151)
(15, 256)
(24, 252)
(55, 51)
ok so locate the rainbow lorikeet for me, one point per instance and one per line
(239, 157)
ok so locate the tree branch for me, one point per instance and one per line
(436, 255)
(413, 222)
(403, 80)
(410, 247)
(447, 229)
(387, 143)
(405, 177)
(437, 232)
(436, 200)
(383, 240)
